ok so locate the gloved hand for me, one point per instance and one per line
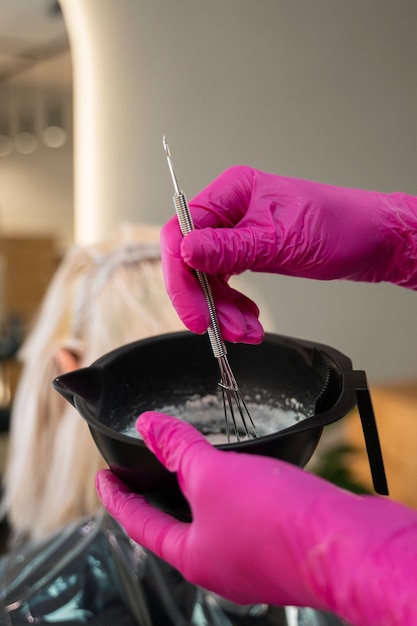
(251, 220)
(266, 531)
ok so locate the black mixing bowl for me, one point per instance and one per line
(168, 370)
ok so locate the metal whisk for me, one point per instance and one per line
(233, 404)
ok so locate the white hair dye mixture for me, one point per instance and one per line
(207, 415)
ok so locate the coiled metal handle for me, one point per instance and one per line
(186, 224)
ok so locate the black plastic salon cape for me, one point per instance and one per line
(92, 573)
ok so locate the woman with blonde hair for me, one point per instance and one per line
(102, 296)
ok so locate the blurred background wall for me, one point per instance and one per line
(324, 90)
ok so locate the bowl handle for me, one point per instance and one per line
(370, 433)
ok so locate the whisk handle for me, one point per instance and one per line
(186, 224)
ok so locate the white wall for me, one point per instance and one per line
(36, 194)
(323, 90)
(36, 190)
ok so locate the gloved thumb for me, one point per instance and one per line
(171, 439)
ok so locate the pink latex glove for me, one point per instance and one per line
(266, 531)
(251, 220)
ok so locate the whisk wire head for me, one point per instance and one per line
(232, 399)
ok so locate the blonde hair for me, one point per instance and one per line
(101, 297)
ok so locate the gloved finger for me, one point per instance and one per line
(153, 529)
(238, 315)
(172, 441)
(229, 250)
(181, 282)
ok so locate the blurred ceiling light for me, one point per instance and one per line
(54, 135)
(26, 141)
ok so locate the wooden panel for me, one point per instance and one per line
(29, 265)
(395, 410)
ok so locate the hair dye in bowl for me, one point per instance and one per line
(206, 413)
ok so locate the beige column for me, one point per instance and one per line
(109, 151)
